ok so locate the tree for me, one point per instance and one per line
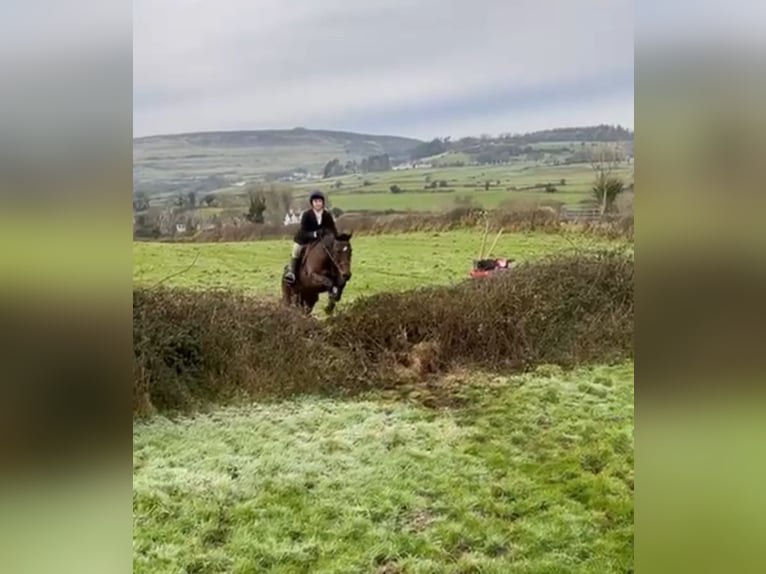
(255, 213)
(209, 200)
(376, 163)
(332, 168)
(140, 201)
(428, 149)
(604, 160)
(147, 225)
(268, 202)
(284, 199)
(192, 199)
(606, 188)
(395, 189)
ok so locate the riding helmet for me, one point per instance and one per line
(316, 194)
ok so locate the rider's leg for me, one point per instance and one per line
(292, 272)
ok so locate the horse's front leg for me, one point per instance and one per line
(321, 281)
(336, 292)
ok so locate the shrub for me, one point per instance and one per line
(564, 311)
(195, 347)
(191, 348)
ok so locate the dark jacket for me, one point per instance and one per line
(309, 225)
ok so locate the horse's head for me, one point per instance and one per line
(340, 249)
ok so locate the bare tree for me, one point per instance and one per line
(605, 160)
(268, 202)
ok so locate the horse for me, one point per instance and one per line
(325, 268)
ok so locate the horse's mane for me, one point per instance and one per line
(328, 240)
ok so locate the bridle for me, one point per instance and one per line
(332, 259)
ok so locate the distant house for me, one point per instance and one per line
(180, 228)
(291, 218)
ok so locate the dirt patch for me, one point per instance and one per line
(390, 568)
(420, 520)
(433, 391)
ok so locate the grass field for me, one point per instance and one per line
(530, 473)
(380, 263)
(463, 182)
(468, 472)
(371, 191)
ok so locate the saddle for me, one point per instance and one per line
(302, 253)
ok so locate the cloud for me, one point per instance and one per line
(383, 65)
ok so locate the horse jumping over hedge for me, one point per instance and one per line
(325, 267)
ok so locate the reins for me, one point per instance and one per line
(327, 251)
(332, 259)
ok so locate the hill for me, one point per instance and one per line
(169, 165)
(206, 161)
(553, 142)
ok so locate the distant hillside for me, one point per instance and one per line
(210, 161)
(207, 161)
(560, 145)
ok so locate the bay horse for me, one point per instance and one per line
(325, 268)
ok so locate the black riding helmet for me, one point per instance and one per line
(316, 194)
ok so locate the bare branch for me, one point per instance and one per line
(177, 273)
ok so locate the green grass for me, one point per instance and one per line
(531, 473)
(380, 263)
(425, 201)
(462, 182)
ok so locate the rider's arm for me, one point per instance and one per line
(304, 232)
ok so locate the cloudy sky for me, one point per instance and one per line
(422, 68)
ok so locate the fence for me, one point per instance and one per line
(580, 214)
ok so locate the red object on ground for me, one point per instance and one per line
(479, 273)
(486, 267)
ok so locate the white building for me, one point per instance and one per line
(291, 218)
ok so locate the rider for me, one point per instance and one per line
(315, 224)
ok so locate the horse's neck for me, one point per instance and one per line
(317, 259)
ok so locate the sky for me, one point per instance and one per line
(424, 69)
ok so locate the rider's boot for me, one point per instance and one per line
(292, 272)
